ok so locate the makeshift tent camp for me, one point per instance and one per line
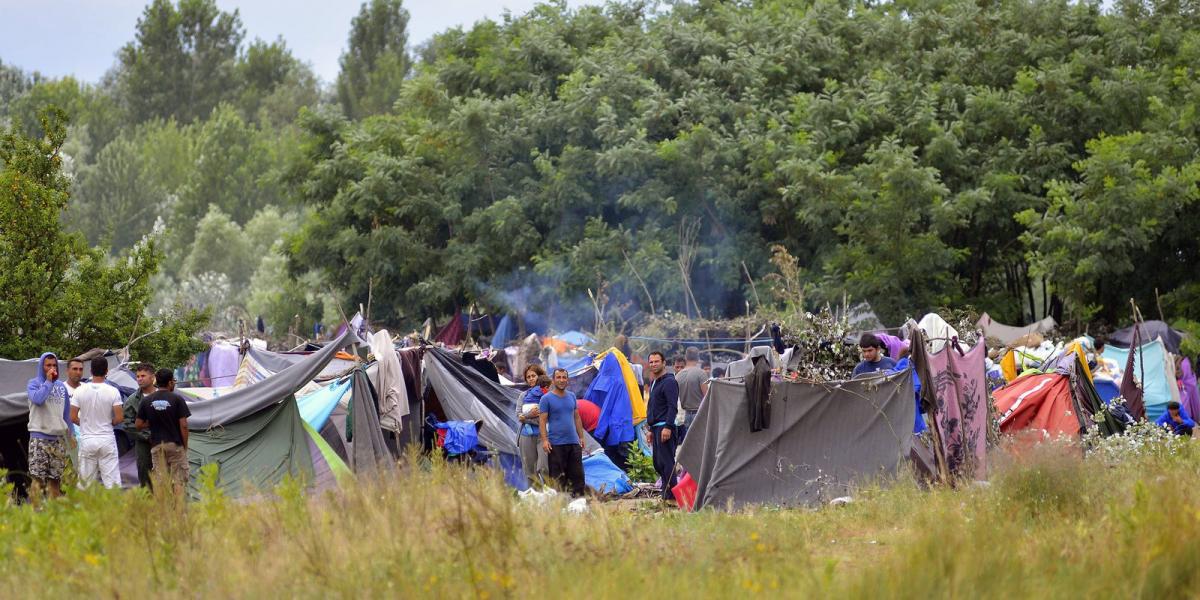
(464, 394)
(1008, 334)
(1153, 371)
(256, 435)
(1151, 330)
(822, 439)
(1051, 405)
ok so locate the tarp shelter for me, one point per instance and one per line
(822, 439)
(610, 392)
(1039, 402)
(256, 435)
(1008, 334)
(466, 395)
(1153, 371)
(1151, 330)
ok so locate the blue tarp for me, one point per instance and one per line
(316, 407)
(919, 425)
(1107, 389)
(506, 331)
(576, 338)
(1156, 390)
(574, 366)
(600, 474)
(608, 391)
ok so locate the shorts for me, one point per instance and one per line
(47, 458)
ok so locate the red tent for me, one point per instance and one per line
(1040, 402)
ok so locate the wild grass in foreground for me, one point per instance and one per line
(1051, 524)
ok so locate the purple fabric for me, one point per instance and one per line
(893, 343)
(960, 385)
(1190, 398)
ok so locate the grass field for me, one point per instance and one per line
(1050, 524)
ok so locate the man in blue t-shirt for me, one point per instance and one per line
(562, 434)
(873, 358)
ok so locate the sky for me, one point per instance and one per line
(81, 37)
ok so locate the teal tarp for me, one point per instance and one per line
(1155, 387)
(316, 407)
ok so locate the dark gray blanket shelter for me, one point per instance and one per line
(822, 439)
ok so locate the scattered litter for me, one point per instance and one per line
(841, 501)
(577, 506)
(537, 497)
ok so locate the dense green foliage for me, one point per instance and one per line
(1026, 157)
(1021, 156)
(59, 294)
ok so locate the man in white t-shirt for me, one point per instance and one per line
(96, 407)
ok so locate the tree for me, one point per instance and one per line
(376, 62)
(59, 294)
(182, 62)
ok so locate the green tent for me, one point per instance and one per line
(255, 453)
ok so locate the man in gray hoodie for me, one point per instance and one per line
(49, 423)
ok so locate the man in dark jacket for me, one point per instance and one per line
(661, 409)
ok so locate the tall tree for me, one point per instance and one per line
(59, 294)
(376, 62)
(182, 62)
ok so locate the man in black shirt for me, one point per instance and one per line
(661, 410)
(165, 414)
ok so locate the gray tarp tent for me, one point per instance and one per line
(822, 439)
(253, 398)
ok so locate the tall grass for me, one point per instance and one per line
(1050, 525)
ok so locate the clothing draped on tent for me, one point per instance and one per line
(938, 332)
(223, 361)
(758, 390)
(388, 379)
(1190, 398)
(823, 438)
(960, 385)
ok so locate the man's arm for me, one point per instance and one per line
(39, 392)
(703, 389)
(579, 429)
(544, 432)
(118, 414)
(183, 431)
(75, 414)
(141, 424)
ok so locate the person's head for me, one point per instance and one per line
(718, 373)
(706, 367)
(533, 373)
(679, 363)
(657, 362)
(871, 347)
(165, 379)
(100, 367)
(74, 371)
(145, 376)
(1173, 408)
(561, 380)
(50, 366)
(691, 355)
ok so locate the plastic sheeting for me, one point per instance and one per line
(823, 439)
(252, 399)
(600, 474)
(1008, 334)
(1150, 330)
(609, 392)
(15, 375)
(1151, 361)
(466, 395)
(316, 407)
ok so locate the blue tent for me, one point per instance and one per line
(1152, 361)
(608, 391)
(506, 331)
(316, 407)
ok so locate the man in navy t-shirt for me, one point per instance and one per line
(873, 358)
(562, 434)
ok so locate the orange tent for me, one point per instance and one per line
(1039, 402)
